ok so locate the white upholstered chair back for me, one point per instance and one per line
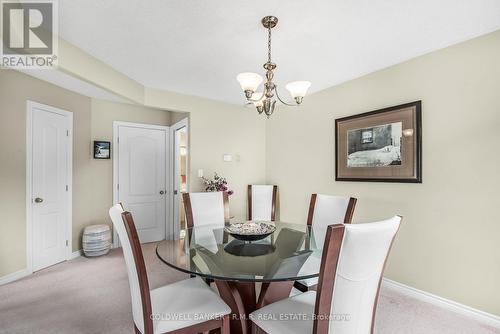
(262, 202)
(363, 254)
(207, 208)
(326, 210)
(116, 216)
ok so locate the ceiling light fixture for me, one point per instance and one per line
(250, 82)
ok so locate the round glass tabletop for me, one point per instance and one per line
(290, 253)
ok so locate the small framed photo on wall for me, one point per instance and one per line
(102, 149)
(380, 146)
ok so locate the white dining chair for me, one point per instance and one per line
(206, 208)
(262, 202)
(187, 306)
(325, 210)
(353, 261)
(203, 209)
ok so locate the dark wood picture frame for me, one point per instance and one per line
(97, 143)
(408, 167)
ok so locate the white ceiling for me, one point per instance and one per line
(197, 47)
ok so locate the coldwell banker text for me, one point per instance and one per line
(29, 34)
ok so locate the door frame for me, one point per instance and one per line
(116, 125)
(30, 106)
(174, 227)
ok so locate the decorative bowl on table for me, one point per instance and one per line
(250, 231)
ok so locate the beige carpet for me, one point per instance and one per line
(92, 296)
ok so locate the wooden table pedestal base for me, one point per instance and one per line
(241, 298)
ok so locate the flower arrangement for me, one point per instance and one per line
(218, 183)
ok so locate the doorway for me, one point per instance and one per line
(49, 185)
(180, 162)
(140, 176)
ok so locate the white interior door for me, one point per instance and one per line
(50, 184)
(180, 176)
(142, 184)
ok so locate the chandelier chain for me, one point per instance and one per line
(269, 44)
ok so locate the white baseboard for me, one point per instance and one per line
(25, 272)
(481, 316)
(76, 254)
(14, 276)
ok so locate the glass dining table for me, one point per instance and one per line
(292, 252)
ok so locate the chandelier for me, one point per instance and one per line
(265, 101)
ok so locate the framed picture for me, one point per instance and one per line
(380, 146)
(102, 149)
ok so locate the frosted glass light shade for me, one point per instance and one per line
(298, 88)
(249, 81)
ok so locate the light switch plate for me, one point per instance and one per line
(200, 173)
(228, 157)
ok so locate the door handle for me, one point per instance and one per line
(175, 192)
(162, 192)
(38, 200)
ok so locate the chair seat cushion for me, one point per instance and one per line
(291, 315)
(185, 303)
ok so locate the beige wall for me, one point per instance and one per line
(177, 116)
(231, 130)
(449, 242)
(215, 128)
(218, 128)
(15, 90)
(92, 193)
(79, 64)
